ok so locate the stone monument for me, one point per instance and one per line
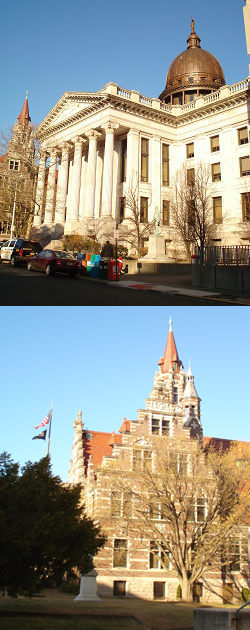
(156, 242)
(88, 588)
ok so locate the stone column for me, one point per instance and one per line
(62, 184)
(107, 187)
(156, 176)
(76, 180)
(50, 188)
(91, 173)
(40, 190)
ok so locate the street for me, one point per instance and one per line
(19, 287)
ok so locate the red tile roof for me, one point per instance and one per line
(97, 444)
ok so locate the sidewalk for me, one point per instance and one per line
(175, 284)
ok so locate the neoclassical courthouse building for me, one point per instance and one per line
(130, 565)
(100, 146)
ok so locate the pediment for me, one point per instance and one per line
(70, 105)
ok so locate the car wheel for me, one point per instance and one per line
(13, 261)
(48, 270)
(29, 266)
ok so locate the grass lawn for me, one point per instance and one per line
(58, 610)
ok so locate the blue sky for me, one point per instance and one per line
(103, 360)
(57, 46)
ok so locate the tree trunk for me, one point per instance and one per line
(186, 589)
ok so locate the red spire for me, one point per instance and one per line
(25, 112)
(170, 354)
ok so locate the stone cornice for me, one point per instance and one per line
(150, 109)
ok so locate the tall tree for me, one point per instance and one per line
(191, 207)
(186, 506)
(45, 532)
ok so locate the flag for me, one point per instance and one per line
(41, 436)
(45, 421)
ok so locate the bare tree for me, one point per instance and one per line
(186, 506)
(191, 209)
(136, 227)
(18, 171)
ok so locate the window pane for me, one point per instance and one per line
(124, 160)
(245, 166)
(215, 144)
(144, 160)
(190, 150)
(116, 504)
(165, 212)
(216, 174)
(243, 135)
(217, 207)
(190, 176)
(143, 210)
(122, 209)
(165, 165)
(120, 553)
(245, 201)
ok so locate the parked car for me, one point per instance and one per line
(18, 250)
(51, 261)
(2, 243)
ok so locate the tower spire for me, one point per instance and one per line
(171, 358)
(24, 116)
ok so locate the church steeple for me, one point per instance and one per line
(171, 358)
(24, 116)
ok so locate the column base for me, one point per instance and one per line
(88, 588)
(156, 248)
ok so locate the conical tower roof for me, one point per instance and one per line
(190, 391)
(170, 355)
(24, 116)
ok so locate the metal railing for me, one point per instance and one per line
(219, 255)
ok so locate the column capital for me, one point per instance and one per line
(65, 146)
(92, 134)
(110, 127)
(43, 155)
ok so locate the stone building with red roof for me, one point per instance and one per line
(18, 175)
(172, 412)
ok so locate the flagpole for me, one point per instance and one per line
(49, 428)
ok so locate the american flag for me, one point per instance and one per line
(45, 421)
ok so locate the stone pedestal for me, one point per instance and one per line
(88, 588)
(156, 248)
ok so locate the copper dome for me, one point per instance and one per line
(195, 71)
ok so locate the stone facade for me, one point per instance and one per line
(125, 565)
(109, 144)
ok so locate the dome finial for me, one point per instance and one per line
(192, 25)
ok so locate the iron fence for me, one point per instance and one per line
(214, 255)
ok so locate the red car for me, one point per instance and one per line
(54, 262)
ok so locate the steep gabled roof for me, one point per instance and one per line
(97, 444)
(170, 354)
(24, 116)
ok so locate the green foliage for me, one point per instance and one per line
(245, 595)
(81, 244)
(44, 529)
(69, 587)
(178, 592)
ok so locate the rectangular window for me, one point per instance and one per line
(234, 554)
(14, 165)
(116, 504)
(190, 150)
(159, 590)
(243, 135)
(176, 394)
(124, 160)
(216, 174)
(190, 176)
(122, 208)
(120, 552)
(119, 588)
(200, 510)
(142, 460)
(245, 202)
(160, 426)
(155, 556)
(244, 166)
(165, 212)
(215, 144)
(143, 209)
(217, 209)
(165, 165)
(144, 159)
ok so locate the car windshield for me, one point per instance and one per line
(63, 255)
